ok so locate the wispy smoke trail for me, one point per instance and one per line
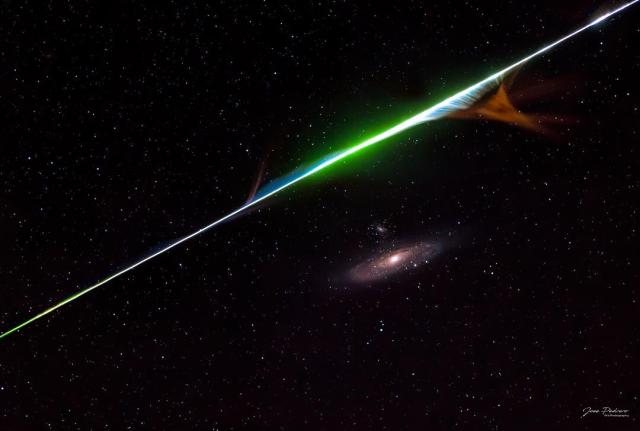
(499, 106)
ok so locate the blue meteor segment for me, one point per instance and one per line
(278, 184)
(460, 100)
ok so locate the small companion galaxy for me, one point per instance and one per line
(341, 215)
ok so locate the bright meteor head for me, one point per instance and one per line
(461, 100)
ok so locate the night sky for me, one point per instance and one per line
(127, 126)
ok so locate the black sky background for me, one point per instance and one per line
(127, 125)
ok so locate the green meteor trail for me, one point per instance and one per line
(460, 100)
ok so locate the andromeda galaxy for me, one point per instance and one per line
(394, 261)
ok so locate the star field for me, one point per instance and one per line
(127, 126)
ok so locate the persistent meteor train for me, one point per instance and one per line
(460, 100)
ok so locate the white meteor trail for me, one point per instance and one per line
(460, 100)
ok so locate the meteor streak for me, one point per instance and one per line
(460, 100)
